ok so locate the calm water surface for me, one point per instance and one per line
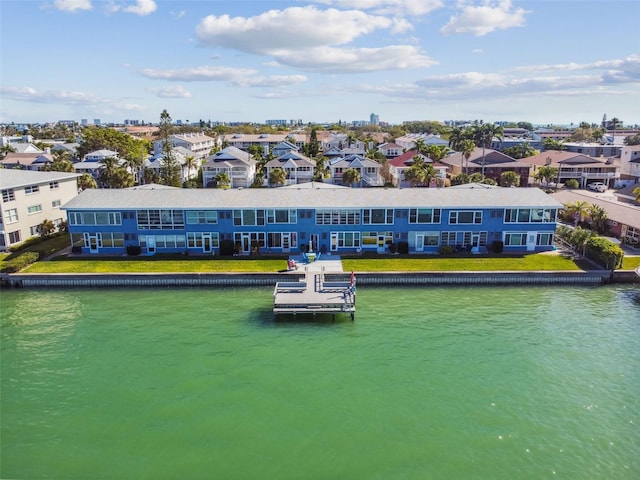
(485, 383)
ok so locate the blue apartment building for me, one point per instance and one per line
(326, 218)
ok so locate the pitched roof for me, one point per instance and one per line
(557, 157)
(407, 159)
(626, 213)
(231, 154)
(492, 158)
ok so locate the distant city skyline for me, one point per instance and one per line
(544, 62)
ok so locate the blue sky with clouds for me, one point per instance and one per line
(544, 61)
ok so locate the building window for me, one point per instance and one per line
(545, 239)
(55, 204)
(377, 216)
(95, 218)
(338, 217)
(515, 239)
(11, 215)
(160, 219)
(248, 217)
(282, 216)
(54, 185)
(346, 239)
(424, 215)
(465, 217)
(31, 189)
(530, 215)
(34, 230)
(34, 209)
(462, 238)
(14, 237)
(202, 217)
(8, 195)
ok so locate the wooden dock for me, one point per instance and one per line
(311, 294)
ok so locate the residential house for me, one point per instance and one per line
(28, 199)
(391, 150)
(623, 219)
(180, 154)
(239, 165)
(70, 148)
(630, 164)
(346, 144)
(593, 149)
(264, 141)
(198, 144)
(408, 142)
(400, 164)
(299, 168)
(492, 164)
(370, 171)
(577, 166)
(99, 155)
(334, 220)
(26, 161)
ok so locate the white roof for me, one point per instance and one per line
(306, 197)
(13, 178)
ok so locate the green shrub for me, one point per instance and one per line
(20, 262)
(497, 246)
(403, 248)
(571, 183)
(604, 252)
(446, 250)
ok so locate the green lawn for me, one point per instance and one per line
(383, 264)
(470, 263)
(157, 266)
(630, 263)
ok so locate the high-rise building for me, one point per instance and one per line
(374, 119)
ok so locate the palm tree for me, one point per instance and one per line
(436, 152)
(457, 136)
(420, 146)
(483, 135)
(466, 147)
(509, 179)
(546, 173)
(277, 177)
(553, 144)
(350, 176)
(577, 210)
(190, 164)
(5, 149)
(598, 217)
(86, 181)
(321, 170)
(223, 180)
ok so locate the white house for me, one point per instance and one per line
(198, 144)
(299, 168)
(630, 164)
(369, 170)
(240, 167)
(29, 198)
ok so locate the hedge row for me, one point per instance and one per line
(21, 261)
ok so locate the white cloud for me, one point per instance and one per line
(395, 7)
(295, 28)
(72, 5)
(142, 7)
(176, 91)
(483, 19)
(51, 96)
(313, 40)
(356, 60)
(626, 70)
(243, 77)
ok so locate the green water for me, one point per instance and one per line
(451, 383)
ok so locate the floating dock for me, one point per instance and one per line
(312, 294)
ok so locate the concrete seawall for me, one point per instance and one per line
(90, 280)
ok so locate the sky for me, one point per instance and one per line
(542, 61)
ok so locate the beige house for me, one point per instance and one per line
(29, 198)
